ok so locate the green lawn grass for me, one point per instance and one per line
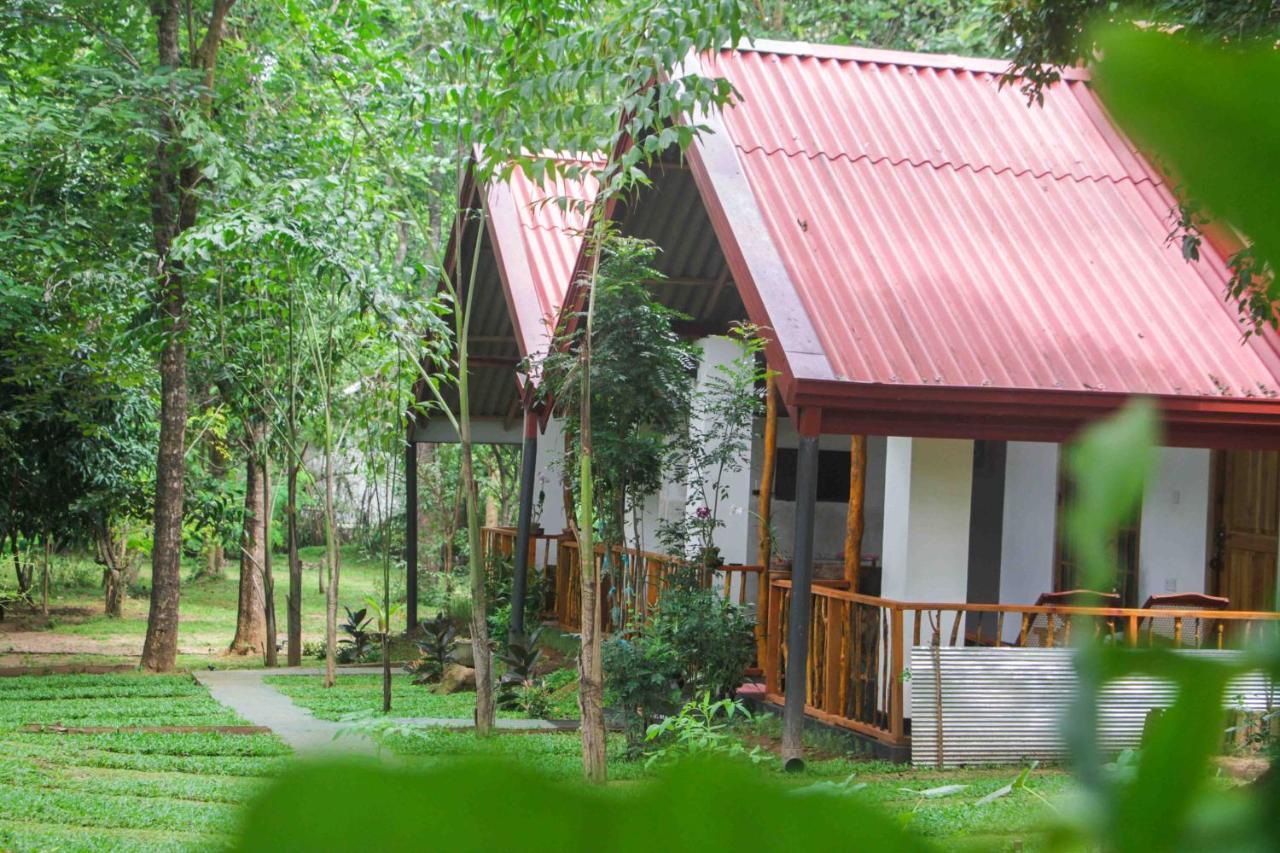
(358, 693)
(208, 614)
(353, 694)
(123, 790)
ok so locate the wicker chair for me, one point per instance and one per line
(1045, 629)
(1192, 632)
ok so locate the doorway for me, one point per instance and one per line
(1246, 528)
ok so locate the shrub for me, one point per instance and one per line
(641, 676)
(699, 730)
(358, 643)
(712, 639)
(459, 612)
(520, 659)
(436, 646)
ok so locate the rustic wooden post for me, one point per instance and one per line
(833, 648)
(896, 712)
(410, 533)
(764, 556)
(801, 587)
(520, 562)
(765, 527)
(854, 518)
(773, 648)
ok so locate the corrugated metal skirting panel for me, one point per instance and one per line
(1006, 705)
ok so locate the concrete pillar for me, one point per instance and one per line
(1173, 543)
(927, 493)
(798, 615)
(520, 567)
(927, 497)
(1030, 525)
(733, 538)
(410, 536)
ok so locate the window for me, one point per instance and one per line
(1067, 574)
(833, 475)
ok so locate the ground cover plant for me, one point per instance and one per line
(124, 790)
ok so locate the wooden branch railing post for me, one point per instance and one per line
(897, 726)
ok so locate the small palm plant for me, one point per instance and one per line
(436, 645)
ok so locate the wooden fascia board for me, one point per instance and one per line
(793, 348)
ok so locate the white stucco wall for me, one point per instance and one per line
(1029, 527)
(549, 477)
(1174, 537)
(927, 494)
(734, 509)
(828, 536)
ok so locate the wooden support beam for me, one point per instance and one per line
(765, 505)
(766, 625)
(855, 519)
(496, 361)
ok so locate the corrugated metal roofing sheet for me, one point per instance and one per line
(940, 232)
(548, 235)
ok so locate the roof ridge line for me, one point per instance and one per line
(883, 56)
(938, 166)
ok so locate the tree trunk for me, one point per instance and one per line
(251, 626)
(112, 571)
(386, 673)
(213, 557)
(173, 209)
(590, 663)
(44, 576)
(24, 574)
(294, 617)
(268, 581)
(486, 711)
(331, 555)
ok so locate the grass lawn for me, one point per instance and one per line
(123, 791)
(357, 693)
(954, 819)
(77, 631)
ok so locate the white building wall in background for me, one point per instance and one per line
(1173, 543)
(735, 510)
(549, 477)
(829, 516)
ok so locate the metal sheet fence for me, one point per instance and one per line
(1007, 705)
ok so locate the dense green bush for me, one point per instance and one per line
(711, 638)
(641, 682)
(697, 644)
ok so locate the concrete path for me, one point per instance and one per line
(245, 692)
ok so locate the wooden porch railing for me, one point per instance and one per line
(564, 579)
(858, 643)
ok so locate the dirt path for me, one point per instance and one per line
(49, 643)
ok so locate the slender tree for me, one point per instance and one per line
(174, 205)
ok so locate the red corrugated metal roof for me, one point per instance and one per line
(939, 232)
(537, 236)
